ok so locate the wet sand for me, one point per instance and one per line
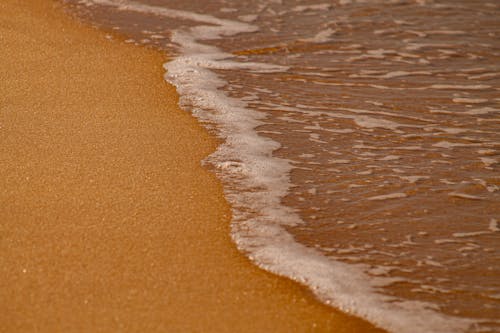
(107, 220)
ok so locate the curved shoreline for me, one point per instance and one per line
(108, 221)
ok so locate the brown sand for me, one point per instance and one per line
(107, 221)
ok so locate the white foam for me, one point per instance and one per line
(390, 114)
(255, 181)
(493, 226)
(489, 187)
(304, 8)
(321, 37)
(390, 158)
(388, 196)
(228, 27)
(248, 18)
(483, 76)
(371, 122)
(469, 100)
(451, 130)
(418, 46)
(228, 10)
(483, 110)
(460, 87)
(339, 161)
(488, 161)
(447, 144)
(469, 234)
(390, 75)
(262, 235)
(413, 179)
(464, 196)
(445, 32)
(446, 241)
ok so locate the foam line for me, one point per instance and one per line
(256, 181)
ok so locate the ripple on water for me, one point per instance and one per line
(377, 147)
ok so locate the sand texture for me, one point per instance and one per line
(108, 223)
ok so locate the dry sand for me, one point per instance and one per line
(107, 221)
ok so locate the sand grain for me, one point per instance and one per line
(107, 221)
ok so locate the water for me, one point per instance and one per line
(361, 142)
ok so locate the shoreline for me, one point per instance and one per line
(109, 222)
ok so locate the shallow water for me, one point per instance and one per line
(361, 143)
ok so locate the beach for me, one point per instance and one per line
(108, 221)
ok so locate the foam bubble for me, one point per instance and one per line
(255, 181)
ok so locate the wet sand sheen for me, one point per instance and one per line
(107, 220)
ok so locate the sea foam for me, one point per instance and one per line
(256, 181)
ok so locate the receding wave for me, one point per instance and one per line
(360, 143)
